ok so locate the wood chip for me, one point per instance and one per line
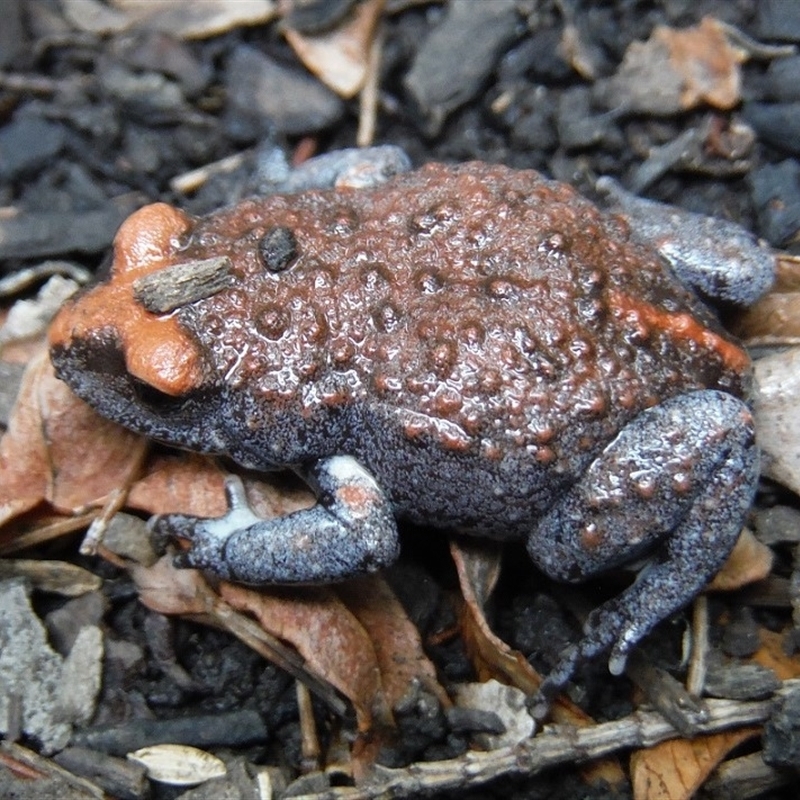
(180, 284)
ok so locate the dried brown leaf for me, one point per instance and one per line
(787, 273)
(477, 568)
(56, 449)
(185, 483)
(749, 561)
(776, 315)
(195, 19)
(396, 640)
(675, 770)
(707, 63)
(168, 590)
(328, 636)
(677, 70)
(340, 57)
(772, 654)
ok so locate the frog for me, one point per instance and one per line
(471, 348)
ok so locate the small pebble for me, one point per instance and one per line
(776, 196)
(782, 81)
(457, 57)
(27, 144)
(264, 96)
(782, 734)
(778, 20)
(777, 124)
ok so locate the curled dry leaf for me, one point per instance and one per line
(749, 561)
(777, 417)
(58, 450)
(195, 19)
(677, 70)
(340, 57)
(58, 577)
(188, 484)
(168, 590)
(772, 654)
(477, 567)
(777, 315)
(675, 770)
(328, 636)
(179, 764)
(396, 640)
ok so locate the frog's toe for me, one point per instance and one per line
(605, 627)
(555, 681)
(165, 528)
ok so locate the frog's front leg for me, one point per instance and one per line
(675, 484)
(350, 530)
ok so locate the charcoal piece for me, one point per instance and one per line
(27, 144)
(778, 20)
(782, 80)
(38, 234)
(227, 729)
(539, 56)
(317, 16)
(475, 720)
(782, 734)
(777, 124)
(741, 681)
(454, 62)
(148, 97)
(741, 637)
(778, 525)
(578, 128)
(152, 50)
(121, 778)
(12, 33)
(776, 196)
(264, 95)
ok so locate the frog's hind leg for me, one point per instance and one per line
(676, 483)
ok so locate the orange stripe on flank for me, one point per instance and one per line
(681, 326)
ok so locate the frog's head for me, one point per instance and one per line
(133, 364)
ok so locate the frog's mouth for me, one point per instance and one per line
(96, 371)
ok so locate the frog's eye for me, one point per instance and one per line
(278, 249)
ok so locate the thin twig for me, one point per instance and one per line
(698, 663)
(368, 99)
(557, 744)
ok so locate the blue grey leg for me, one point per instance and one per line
(351, 530)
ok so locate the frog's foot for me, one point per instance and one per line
(351, 530)
(677, 483)
(717, 257)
